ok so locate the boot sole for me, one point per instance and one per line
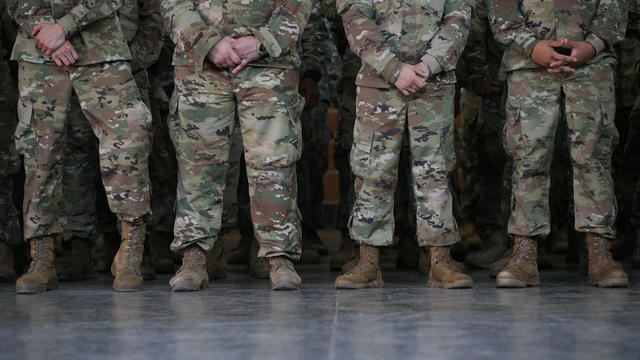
(27, 289)
(614, 283)
(126, 288)
(188, 286)
(460, 284)
(513, 283)
(285, 286)
(342, 284)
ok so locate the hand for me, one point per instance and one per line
(222, 54)
(582, 51)
(247, 48)
(309, 90)
(65, 55)
(411, 79)
(544, 54)
(48, 37)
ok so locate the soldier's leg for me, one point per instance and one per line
(377, 138)
(533, 112)
(272, 148)
(122, 122)
(40, 138)
(590, 111)
(201, 124)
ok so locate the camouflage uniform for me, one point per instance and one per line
(537, 99)
(392, 32)
(108, 96)
(10, 231)
(203, 110)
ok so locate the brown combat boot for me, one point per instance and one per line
(603, 271)
(81, 266)
(494, 247)
(105, 251)
(259, 267)
(239, 253)
(424, 265)
(366, 275)
(283, 274)
(127, 263)
(443, 273)
(192, 275)
(7, 272)
(216, 265)
(42, 272)
(522, 270)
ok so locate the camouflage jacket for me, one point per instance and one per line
(482, 54)
(141, 22)
(92, 27)
(196, 26)
(386, 34)
(520, 24)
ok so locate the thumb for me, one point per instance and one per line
(36, 29)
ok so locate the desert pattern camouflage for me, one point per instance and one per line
(520, 24)
(111, 103)
(533, 112)
(382, 117)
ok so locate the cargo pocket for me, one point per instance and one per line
(173, 122)
(294, 146)
(363, 136)
(26, 140)
(513, 140)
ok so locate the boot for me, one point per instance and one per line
(148, 271)
(522, 270)
(603, 271)
(7, 272)
(192, 275)
(442, 273)
(81, 266)
(314, 241)
(216, 266)
(41, 275)
(425, 262)
(501, 264)
(160, 253)
(127, 262)
(259, 267)
(493, 249)
(309, 254)
(345, 254)
(470, 237)
(366, 275)
(408, 252)
(105, 251)
(283, 275)
(239, 253)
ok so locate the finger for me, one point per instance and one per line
(235, 58)
(557, 63)
(559, 57)
(74, 54)
(405, 92)
(57, 61)
(240, 67)
(65, 59)
(37, 28)
(421, 72)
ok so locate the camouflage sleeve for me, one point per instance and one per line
(188, 30)
(314, 44)
(147, 43)
(330, 11)
(509, 26)
(86, 12)
(475, 52)
(285, 26)
(29, 13)
(448, 43)
(609, 24)
(366, 39)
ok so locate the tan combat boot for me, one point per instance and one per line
(192, 275)
(216, 265)
(81, 266)
(283, 275)
(7, 273)
(522, 270)
(259, 267)
(443, 273)
(603, 271)
(424, 265)
(42, 273)
(494, 247)
(366, 275)
(127, 264)
(239, 253)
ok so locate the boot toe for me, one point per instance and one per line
(506, 279)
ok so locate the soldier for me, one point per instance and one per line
(543, 83)
(9, 164)
(409, 51)
(237, 59)
(86, 43)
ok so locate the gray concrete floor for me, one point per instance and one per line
(241, 318)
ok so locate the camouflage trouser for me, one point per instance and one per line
(383, 115)
(313, 163)
(111, 102)
(342, 148)
(230, 200)
(203, 111)
(10, 230)
(536, 100)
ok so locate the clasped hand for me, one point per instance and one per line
(52, 41)
(233, 53)
(545, 55)
(412, 78)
